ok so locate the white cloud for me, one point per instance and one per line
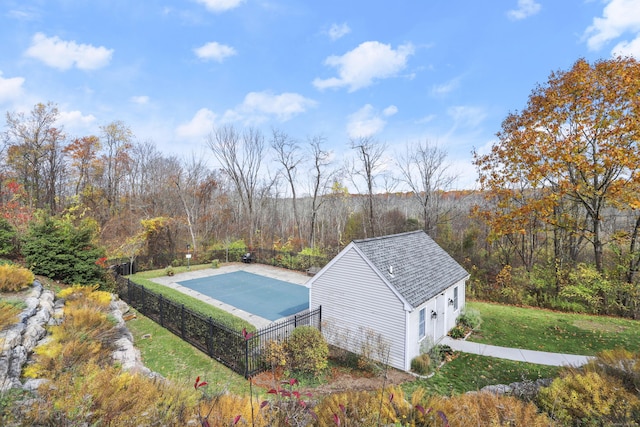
(10, 88)
(367, 122)
(141, 99)
(446, 88)
(618, 17)
(220, 5)
(63, 55)
(25, 14)
(75, 121)
(338, 31)
(390, 111)
(214, 51)
(628, 48)
(366, 63)
(467, 116)
(283, 106)
(200, 125)
(525, 9)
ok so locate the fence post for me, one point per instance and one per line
(182, 322)
(295, 321)
(161, 310)
(129, 290)
(210, 342)
(143, 295)
(320, 318)
(246, 358)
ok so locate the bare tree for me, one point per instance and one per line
(288, 155)
(193, 191)
(369, 154)
(321, 179)
(425, 172)
(240, 157)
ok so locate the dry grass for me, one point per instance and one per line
(14, 278)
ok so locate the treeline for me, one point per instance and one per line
(555, 223)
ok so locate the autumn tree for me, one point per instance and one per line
(34, 153)
(116, 142)
(576, 142)
(83, 153)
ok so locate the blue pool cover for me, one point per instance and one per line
(263, 296)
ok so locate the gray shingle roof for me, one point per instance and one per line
(420, 267)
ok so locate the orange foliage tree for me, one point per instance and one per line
(573, 151)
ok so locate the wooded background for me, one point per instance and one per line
(554, 222)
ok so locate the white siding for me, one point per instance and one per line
(437, 328)
(354, 299)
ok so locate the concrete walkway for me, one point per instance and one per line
(285, 275)
(520, 355)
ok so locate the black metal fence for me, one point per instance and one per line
(242, 354)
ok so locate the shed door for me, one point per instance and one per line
(439, 321)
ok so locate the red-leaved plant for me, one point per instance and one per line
(289, 407)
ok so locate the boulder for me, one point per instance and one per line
(32, 306)
(12, 336)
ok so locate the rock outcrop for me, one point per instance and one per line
(19, 340)
(42, 309)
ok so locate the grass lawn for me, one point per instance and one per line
(190, 302)
(471, 372)
(179, 361)
(537, 329)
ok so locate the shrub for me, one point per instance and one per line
(621, 364)
(7, 238)
(62, 250)
(275, 353)
(14, 278)
(458, 332)
(307, 350)
(470, 318)
(487, 409)
(215, 263)
(105, 395)
(8, 315)
(421, 364)
(169, 271)
(589, 399)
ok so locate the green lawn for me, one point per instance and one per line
(537, 329)
(179, 361)
(190, 302)
(471, 372)
(502, 325)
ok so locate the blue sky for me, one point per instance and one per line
(401, 72)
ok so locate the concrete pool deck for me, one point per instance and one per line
(285, 275)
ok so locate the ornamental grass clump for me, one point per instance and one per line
(14, 278)
(8, 314)
(589, 398)
(97, 394)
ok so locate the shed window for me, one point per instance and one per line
(421, 326)
(455, 298)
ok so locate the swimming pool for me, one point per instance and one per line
(263, 296)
